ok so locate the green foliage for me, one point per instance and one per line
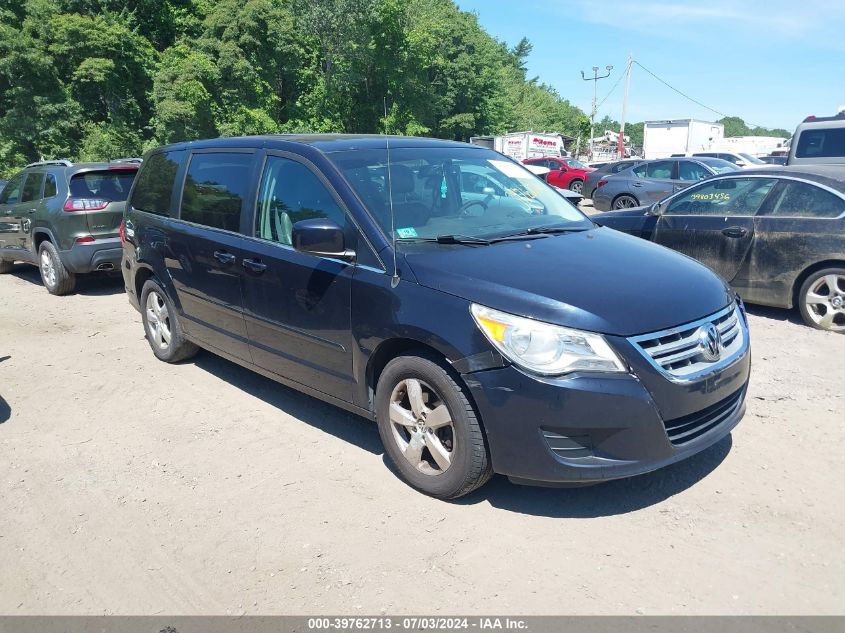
(97, 79)
(735, 126)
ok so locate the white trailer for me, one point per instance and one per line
(522, 145)
(680, 136)
(754, 145)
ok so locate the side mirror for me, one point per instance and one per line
(654, 209)
(740, 163)
(488, 190)
(321, 237)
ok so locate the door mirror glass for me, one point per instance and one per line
(322, 237)
(654, 209)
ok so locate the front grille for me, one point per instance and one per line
(678, 353)
(689, 427)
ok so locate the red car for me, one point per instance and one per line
(566, 173)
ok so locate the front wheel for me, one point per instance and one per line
(429, 428)
(821, 300)
(161, 325)
(625, 202)
(577, 186)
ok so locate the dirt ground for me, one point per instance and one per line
(134, 487)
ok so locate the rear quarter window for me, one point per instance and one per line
(155, 181)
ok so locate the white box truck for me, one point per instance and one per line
(680, 136)
(522, 145)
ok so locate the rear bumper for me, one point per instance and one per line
(102, 254)
(591, 427)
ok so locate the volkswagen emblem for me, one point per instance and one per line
(710, 342)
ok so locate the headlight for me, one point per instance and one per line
(543, 348)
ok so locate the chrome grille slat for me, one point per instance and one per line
(677, 353)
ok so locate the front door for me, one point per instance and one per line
(9, 226)
(297, 306)
(206, 249)
(653, 181)
(26, 210)
(714, 222)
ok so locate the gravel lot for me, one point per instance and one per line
(135, 487)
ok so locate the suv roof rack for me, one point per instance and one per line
(63, 162)
(836, 117)
(126, 160)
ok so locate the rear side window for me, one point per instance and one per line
(821, 143)
(215, 188)
(154, 187)
(112, 184)
(659, 169)
(32, 187)
(50, 188)
(802, 200)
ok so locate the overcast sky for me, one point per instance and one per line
(771, 62)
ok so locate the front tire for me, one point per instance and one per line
(625, 202)
(57, 279)
(429, 427)
(821, 300)
(577, 186)
(161, 325)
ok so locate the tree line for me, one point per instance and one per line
(99, 79)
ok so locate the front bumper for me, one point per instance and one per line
(86, 257)
(592, 427)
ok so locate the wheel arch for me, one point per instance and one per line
(802, 277)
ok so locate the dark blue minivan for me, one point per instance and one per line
(444, 291)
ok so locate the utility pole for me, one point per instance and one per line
(625, 107)
(595, 79)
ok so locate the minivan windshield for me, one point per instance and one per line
(454, 191)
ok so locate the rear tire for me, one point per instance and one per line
(6, 267)
(624, 202)
(161, 325)
(57, 279)
(577, 186)
(429, 427)
(821, 300)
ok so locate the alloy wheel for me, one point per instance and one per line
(624, 202)
(158, 321)
(825, 302)
(422, 426)
(48, 268)
(577, 186)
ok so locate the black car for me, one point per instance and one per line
(776, 234)
(485, 329)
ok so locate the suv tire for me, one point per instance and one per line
(6, 266)
(821, 300)
(161, 325)
(57, 279)
(429, 428)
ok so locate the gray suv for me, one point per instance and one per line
(819, 141)
(65, 219)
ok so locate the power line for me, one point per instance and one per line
(610, 92)
(683, 94)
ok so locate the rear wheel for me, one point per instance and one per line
(161, 325)
(577, 186)
(429, 428)
(57, 279)
(625, 202)
(822, 300)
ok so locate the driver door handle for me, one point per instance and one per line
(735, 231)
(224, 258)
(255, 265)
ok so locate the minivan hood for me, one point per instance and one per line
(598, 280)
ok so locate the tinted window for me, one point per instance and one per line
(691, 171)
(50, 188)
(821, 143)
(659, 169)
(215, 188)
(154, 188)
(615, 169)
(12, 190)
(802, 200)
(291, 192)
(32, 187)
(112, 184)
(728, 196)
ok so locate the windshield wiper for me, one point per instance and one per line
(539, 231)
(448, 239)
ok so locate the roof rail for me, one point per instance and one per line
(126, 160)
(62, 162)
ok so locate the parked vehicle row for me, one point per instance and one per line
(777, 235)
(565, 173)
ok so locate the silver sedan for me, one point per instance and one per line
(652, 181)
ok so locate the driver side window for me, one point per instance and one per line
(12, 191)
(723, 197)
